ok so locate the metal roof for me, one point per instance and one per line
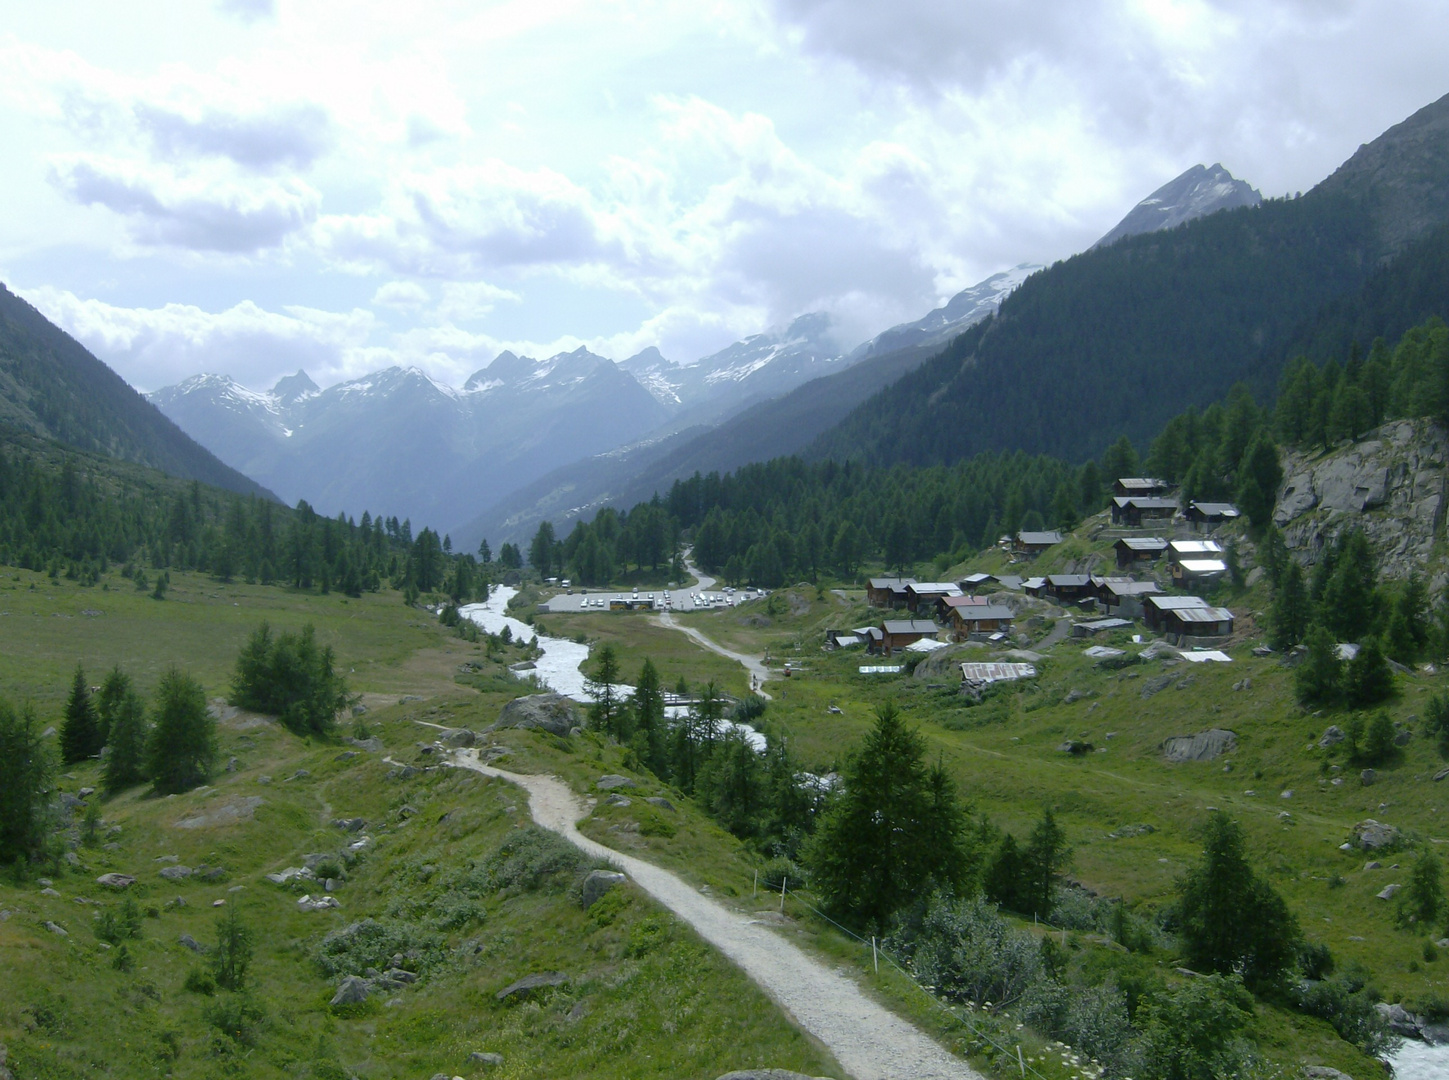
(909, 626)
(1176, 603)
(980, 612)
(1214, 509)
(1203, 656)
(1196, 547)
(948, 588)
(1145, 502)
(1069, 579)
(1039, 537)
(1144, 543)
(1132, 588)
(989, 673)
(1204, 615)
(1203, 566)
(1141, 482)
(964, 601)
(891, 582)
(975, 579)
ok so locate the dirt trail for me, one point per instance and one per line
(755, 665)
(870, 1042)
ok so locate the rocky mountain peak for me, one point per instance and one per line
(1201, 190)
(290, 388)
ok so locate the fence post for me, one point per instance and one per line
(755, 889)
(784, 880)
(1019, 1061)
(875, 956)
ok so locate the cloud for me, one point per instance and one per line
(199, 212)
(248, 11)
(283, 136)
(153, 347)
(402, 296)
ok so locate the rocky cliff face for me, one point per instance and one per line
(1390, 484)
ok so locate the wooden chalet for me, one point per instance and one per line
(1134, 511)
(1034, 543)
(1068, 588)
(1195, 562)
(1156, 607)
(971, 582)
(1123, 596)
(1139, 549)
(921, 596)
(898, 633)
(1142, 486)
(971, 619)
(1198, 623)
(946, 604)
(887, 592)
(1209, 515)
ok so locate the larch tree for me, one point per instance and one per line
(181, 747)
(80, 731)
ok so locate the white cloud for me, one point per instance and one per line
(292, 135)
(248, 11)
(200, 210)
(402, 296)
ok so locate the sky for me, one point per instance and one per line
(250, 187)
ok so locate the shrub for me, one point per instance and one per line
(237, 1016)
(373, 943)
(1092, 1020)
(116, 924)
(1194, 1032)
(200, 981)
(969, 953)
(529, 859)
(233, 953)
(1349, 1006)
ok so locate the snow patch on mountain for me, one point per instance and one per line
(1196, 193)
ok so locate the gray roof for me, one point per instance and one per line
(1144, 502)
(1176, 603)
(1039, 537)
(891, 582)
(1132, 588)
(1214, 509)
(1196, 547)
(1145, 483)
(981, 612)
(1069, 579)
(1204, 615)
(974, 579)
(1144, 543)
(909, 626)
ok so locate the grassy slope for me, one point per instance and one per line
(646, 997)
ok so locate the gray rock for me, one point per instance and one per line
(610, 781)
(661, 802)
(1073, 696)
(231, 764)
(461, 737)
(1323, 1072)
(481, 1057)
(768, 1074)
(400, 975)
(1440, 775)
(1388, 891)
(301, 774)
(1156, 685)
(1400, 1020)
(351, 991)
(176, 873)
(1373, 864)
(598, 883)
(553, 713)
(56, 928)
(618, 800)
(191, 943)
(116, 881)
(402, 772)
(1368, 776)
(372, 745)
(359, 710)
(1075, 747)
(1402, 738)
(48, 891)
(1372, 835)
(1331, 737)
(1204, 746)
(530, 984)
(351, 824)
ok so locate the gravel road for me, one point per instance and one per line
(870, 1042)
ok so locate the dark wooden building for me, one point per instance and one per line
(887, 592)
(1134, 511)
(1139, 549)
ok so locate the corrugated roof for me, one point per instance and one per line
(1144, 543)
(1177, 603)
(1215, 509)
(891, 582)
(1196, 547)
(1203, 566)
(1206, 656)
(980, 612)
(909, 626)
(1069, 580)
(1039, 537)
(1204, 615)
(1145, 502)
(989, 673)
(1132, 588)
(947, 588)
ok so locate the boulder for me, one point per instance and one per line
(553, 713)
(664, 804)
(56, 928)
(1075, 747)
(1332, 736)
(1156, 685)
(610, 782)
(351, 824)
(616, 799)
(351, 991)
(1388, 891)
(459, 737)
(176, 873)
(1204, 746)
(481, 1057)
(191, 943)
(598, 883)
(116, 881)
(1368, 776)
(531, 984)
(1372, 835)
(1323, 1072)
(1400, 1020)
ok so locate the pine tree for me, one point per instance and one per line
(1046, 855)
(649, 729)
(80, 731)
(113, 691)
(1006, 874)
(1289, 614)
(126, 750)
(1319, 678)
(1349, 601)
(608, 713)
(1259, 475)
(233, 952)
(1232, 920)
(1422, 900)
(181, 747)
(883, 837)
(24, 784)
(1368, 679)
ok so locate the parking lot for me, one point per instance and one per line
(680, 600)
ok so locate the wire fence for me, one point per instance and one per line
(878, 950)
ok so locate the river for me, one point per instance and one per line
(1419, 1061)
(560, 666)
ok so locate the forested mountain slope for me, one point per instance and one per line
(1117, 339)
(51, 386)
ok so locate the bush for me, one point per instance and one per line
(1349, 1006)
(237, 1016)
(1092, 1020)
(969, 952)
(1194, 1032)
(373, 943)
(292, 678)
(200, 981)
(116, 924)
(233, 953)
(529, 859)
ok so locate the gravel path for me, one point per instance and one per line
(870, 1042)
(753, 664)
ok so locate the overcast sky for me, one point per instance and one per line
(252, 186)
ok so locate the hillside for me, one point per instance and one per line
(1115, 340)
(51, 386)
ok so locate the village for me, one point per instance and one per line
(1166, 564)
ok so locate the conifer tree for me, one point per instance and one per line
(608, 713)
(1046, 855)
(1422, 900)
(80, 731)
(181, 747)
(885, 835)
(24, 784)
(1233, 920)
(1368, 679)
(1259, 475)
(1348, 603)
(1319, 678)
(113, 690)
(126, 749)
(1289, 614)
(649, 730)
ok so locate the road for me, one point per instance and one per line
(755, 665)
(869, 1041)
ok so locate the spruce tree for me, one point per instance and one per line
(1348, 603)
(1259, 475)
(1231, 919)
(1422, 900)
(114, 689)
(181, 747)
(608, 713)
(1319, 678)
(126, 753)
(1289, 614)
(883, 837)
(1046, 855)
(1368, 679)
(649, 730)
(80, 731)
(24, 783)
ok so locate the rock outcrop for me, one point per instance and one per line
(1204, 746)
(1391, 485)
(551, 712)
